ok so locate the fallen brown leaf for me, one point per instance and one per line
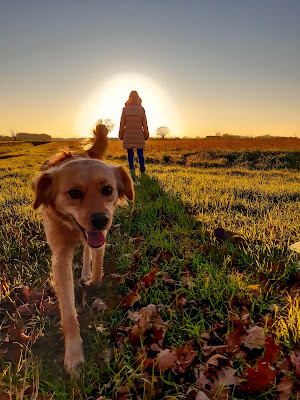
(17, 334)
(285, 387)
(217, 378)
(50, 307)
(185, 357)
(255, 338)
(271, 352)
(166, 360)
(201, 396)
(132, 298)
(143, 283)
(26, 310)
(216, 360)
(99, 305)
(259, 379)
(295, 358)
(226, 377)
(148, 280)
(143, 319)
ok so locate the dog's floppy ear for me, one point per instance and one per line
(42, 186)
(124, 184)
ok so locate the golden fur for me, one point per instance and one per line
(78, 194)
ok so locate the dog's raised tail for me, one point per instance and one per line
(96, 147)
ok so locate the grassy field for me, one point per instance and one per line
(276, 153)
(200, 298)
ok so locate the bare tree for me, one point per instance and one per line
(13, 134)
(162, 131)
(107, 122)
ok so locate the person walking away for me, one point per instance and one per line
(134, 130)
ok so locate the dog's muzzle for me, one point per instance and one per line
(95, 238)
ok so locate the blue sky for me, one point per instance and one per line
(228, 66)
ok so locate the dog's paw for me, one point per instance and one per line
(93, 284)
(84, 279)
(73, 355)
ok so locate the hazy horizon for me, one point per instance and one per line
(200, 68)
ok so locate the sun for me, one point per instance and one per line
(108, 101)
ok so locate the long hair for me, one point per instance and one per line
(134, 98)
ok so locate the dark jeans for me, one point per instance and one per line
(140, 154)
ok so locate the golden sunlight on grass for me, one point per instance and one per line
(287, 322)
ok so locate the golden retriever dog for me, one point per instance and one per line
(78, 194)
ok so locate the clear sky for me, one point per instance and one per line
(201, 67)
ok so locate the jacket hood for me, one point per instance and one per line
(133, 99)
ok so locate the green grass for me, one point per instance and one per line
(175, 212)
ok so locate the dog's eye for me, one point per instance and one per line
(107, 190)
(75, 194)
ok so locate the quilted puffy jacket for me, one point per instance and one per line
(133, 127)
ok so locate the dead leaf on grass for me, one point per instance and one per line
(22, 294)
(226, 377)
(132, 298)
(217, 360)
(123, 393)
(295, 247)
(217, 378)
(144, 360)
(26, 310)
(159, 330)
(178, 300)
(285, 387)
(209, 350)
(146, 313)
(201, 396)
(50, 308)
(164, 276)
(143, 283)
(148, 280)
(17, 334)
(271, 352)
(147, 319)
(212, 344)
(255, 338)
(258, 379)
(185, 357)
(166, 360)
(234, 341)
(99, 305)
(295, 358)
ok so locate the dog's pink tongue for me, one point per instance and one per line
(95, 238)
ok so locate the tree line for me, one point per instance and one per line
(27, 137)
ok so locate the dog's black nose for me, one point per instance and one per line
(99, 220)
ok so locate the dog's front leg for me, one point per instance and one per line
(97, 266)
(64, 286)
(86, 268)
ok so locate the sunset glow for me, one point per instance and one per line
(108, 101)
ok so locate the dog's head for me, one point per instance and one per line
(85, 191)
